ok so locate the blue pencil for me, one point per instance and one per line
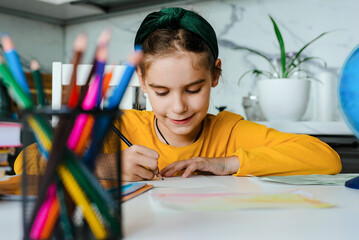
(13, 62)
(102, 123)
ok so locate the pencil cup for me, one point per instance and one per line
(71, 190)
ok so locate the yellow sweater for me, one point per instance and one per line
(261, 151)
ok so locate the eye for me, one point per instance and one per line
(161, 93)
(193, 91)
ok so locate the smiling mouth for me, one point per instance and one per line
(182, 121)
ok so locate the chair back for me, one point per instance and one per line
(61, 75)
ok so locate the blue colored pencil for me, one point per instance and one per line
(102, 123)
(13, 61)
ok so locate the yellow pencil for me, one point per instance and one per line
(38, 130)
(82, 201)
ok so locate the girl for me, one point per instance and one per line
(180, 65)
(179, 68)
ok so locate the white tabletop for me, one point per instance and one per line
(310, 127)
(11, 220)
(144, 219)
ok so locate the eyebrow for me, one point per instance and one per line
(188, 85)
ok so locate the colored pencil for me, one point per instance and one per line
(102, 123)
(100, 69)
(35, 68)
(64, 216)
(103, 40)
(72, 95)
(13, 60)
(81, 200)
(88, 186)
(94, 192)
(21, 98)
(123, 138)
(128, 143)
(52, 217)
(90, 99)
(84, 137)
(62, 161)
(61, 133)
(120, 89)
(42, 214)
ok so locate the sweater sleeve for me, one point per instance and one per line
(34, 163)
(264, 151)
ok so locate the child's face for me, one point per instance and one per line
(179, 94)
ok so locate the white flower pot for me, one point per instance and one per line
(283, 99)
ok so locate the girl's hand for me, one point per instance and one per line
(217, 166)
(139, 163)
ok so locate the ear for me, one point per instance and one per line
(218, 65)
(140, 79)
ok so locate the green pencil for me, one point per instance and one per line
(16, 92)
(35, 67)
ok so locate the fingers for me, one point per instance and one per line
(145, 151)
(139, 163)
(173, 168)
(144, 173)
(193, 167)
(189, 166)
(137, 173)
(146, 157)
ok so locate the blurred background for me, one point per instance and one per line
(46, 30)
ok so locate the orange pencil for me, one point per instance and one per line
(51, 219)
(86, 132)
(90, 121)
(106, 82)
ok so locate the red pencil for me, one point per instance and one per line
(74, 93)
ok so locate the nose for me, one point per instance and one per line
(179, 104)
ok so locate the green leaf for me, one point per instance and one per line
(293, 66)
(305, 46)
(255, 72)
(265, 73)
(243, 75)
(281, 45)
(259, 54)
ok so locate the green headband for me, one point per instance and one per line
(175, 18)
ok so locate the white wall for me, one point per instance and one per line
(34, 39)
(246, 22)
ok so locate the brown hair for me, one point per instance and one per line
(166, 42)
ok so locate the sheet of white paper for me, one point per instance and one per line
(314, 179)
(228, 201)
(196, 181)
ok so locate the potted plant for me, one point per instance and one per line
(283, 91)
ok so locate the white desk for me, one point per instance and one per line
(11, 220)
(142, 219)
(312, 128)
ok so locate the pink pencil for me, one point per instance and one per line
(88, 103)
(42, 214)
